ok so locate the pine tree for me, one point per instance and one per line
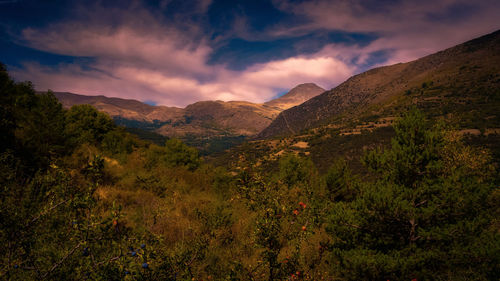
(426, 216)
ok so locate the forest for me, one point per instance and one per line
(83, 199)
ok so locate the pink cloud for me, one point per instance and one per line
(323, 70)
(405, 27)
(161, 49)
(148, 61)
(142, 58)
(257, 84)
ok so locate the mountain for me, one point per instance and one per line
(296, 96)
(233, 118)
(204, 119)
(122, 108)
(453, 81)
(218, 118)
(459, 86)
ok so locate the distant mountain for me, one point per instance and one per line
(459, 86)
(463, 80)
(201, 119)
(296, 96)
(122, 108)
(218, 118)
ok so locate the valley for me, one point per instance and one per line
(209, 125)
(391, 175)
(459, 86)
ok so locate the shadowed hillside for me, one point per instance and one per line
(467, 73)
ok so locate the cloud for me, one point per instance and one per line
(124, 45)
(388, 15)
(134, 55)
(140, 57)
(261, 82)
(284, 73)
(131, 37)
(410, 29)
(133, 51)
(258, 84)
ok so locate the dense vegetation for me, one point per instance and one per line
(82, 199)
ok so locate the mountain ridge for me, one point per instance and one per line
(382, 84)
(200, 119)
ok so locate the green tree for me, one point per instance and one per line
(84, 124)
(174, 154)
(7, 118)
(179, 154)
(52, 225)
(424, 217)
(295, 170)
(118, 141)
(31, 125)
(40, 130)
(341, 185)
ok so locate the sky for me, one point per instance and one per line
(176, 52)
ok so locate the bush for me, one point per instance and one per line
(421, 215)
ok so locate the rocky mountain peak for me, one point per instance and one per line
(296, 96)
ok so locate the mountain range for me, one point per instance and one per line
(460, 85)
(451, 81)
(200, 119)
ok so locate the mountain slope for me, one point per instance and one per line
(218, 118)
(201, 119)
(207, 118)
(122, 108)
(296, 96)
(469, 71)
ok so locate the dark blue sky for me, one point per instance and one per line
(175, 52)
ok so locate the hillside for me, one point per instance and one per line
(460, 85)
(201, 119)
(452, 81)
(122, 108)
(218, 118)
(82, 199)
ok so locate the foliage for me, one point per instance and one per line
(341, 185)
(282, 219)
(82, 199)
(295, 170)
(118, 142)
(179, 154)
(84, 124)
(173, 154)
(419, 218)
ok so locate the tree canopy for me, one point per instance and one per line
(82, 199)
(424, 217)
